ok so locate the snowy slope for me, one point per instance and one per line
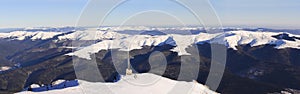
(141, 84)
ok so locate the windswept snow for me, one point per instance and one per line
(140, 84)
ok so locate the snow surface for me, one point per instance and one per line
(140, 84)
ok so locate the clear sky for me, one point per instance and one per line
(255, 13)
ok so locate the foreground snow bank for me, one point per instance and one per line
(134, 84)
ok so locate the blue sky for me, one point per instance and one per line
(255, 13)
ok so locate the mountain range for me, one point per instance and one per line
(258, 61)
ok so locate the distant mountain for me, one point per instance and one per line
(292, 31)
(42, 29)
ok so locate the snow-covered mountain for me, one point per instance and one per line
(22, 35)
(134, 84)
(113, 38)
(125, 42)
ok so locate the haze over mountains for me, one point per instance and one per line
(258, 60)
